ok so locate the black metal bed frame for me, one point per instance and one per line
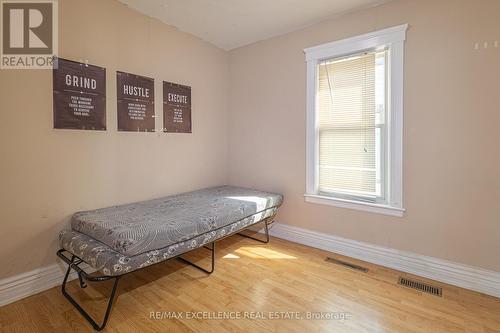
(75, 261)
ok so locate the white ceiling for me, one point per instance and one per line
(233, 23)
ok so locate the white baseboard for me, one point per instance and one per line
(460, 275)
(26, 284)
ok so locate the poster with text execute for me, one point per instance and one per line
(79, 95)
(176, 108)
(136, 103)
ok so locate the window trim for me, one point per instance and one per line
(393, 38)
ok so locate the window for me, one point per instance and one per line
(354, 122)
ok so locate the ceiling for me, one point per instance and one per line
(233, 23)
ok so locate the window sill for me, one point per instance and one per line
(357, 205)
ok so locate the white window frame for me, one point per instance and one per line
(392, 39)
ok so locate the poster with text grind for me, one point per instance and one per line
(79, 95)
(176, 108)
(136, 103)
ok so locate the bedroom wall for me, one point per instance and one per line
(451, 136)
(46, 175)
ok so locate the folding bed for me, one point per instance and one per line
(121, 239)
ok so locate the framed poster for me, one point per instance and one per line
(176, 108)
(79, 95)
(136, 102)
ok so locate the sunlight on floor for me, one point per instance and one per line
(230, 256)
(262, 252)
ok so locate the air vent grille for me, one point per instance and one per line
(347, 264)
(421, 286)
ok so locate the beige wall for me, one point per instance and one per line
(451, 129)
(46, 175)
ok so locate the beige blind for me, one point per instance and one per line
(348, 152)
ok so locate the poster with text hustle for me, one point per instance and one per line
(135, 99)
(79, 95)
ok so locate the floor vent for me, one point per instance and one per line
(421, 286)
(347, 264)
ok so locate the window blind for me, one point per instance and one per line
(351, 103)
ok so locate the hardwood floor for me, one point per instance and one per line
(259, 280)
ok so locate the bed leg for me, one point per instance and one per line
(96, 326)
(212, 268)
(265, 241)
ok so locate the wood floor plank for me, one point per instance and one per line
(271, 280)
